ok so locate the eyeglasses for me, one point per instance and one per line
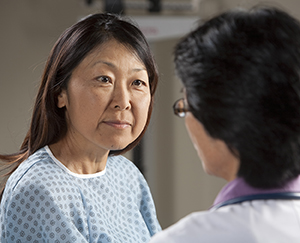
(180, 107)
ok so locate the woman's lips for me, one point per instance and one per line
(118, 124)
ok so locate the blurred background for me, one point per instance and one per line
(29, 29)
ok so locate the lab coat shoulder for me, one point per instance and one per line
(203, 226)
(249, 222)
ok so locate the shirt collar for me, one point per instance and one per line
(239, 188)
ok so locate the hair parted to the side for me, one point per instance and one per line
(241, 73)
(48, 123)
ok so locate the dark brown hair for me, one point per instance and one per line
(48, 123)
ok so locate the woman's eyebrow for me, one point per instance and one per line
(104, 62)
(139, 69)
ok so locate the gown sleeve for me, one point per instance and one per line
(32, 214)
(145, 202)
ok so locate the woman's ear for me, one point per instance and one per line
(62, 99)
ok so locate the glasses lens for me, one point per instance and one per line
(179, 108)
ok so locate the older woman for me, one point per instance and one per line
(241, 76)
(94, 103)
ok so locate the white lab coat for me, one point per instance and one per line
(260, 221)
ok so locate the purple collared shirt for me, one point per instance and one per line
(239, 188)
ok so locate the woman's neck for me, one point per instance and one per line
(78, 159)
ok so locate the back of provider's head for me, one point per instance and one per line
(241, 73)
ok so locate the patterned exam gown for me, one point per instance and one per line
(45, 202)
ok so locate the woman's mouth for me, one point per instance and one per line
(117, 124)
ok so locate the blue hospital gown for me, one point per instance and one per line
(45, 202)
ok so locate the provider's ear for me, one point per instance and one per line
(62, 99)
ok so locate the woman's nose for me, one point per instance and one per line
(121, 99)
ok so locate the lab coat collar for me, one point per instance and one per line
(239, 188)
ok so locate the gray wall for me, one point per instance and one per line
(29, 28)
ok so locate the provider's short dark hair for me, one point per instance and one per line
(241, 73)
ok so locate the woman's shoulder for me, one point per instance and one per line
(39, 161)
(35, 168)
(125, 170)
(122, 165)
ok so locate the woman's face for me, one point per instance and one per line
(215, 155)
(107, 99)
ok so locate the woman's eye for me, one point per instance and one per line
(138, 82)
(104, 79)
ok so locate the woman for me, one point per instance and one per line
(94, 103)
(241, 76)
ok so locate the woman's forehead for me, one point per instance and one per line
(110, 47)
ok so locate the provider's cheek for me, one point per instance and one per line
(190, 126)
(194, 127)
